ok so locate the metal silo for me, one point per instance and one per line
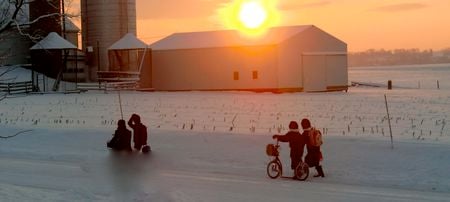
(103, 23)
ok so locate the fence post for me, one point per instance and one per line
(437, 82)
(389, 121)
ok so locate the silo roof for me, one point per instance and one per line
(70, 26)
(53, 41)
(226, 38)
(128, 42)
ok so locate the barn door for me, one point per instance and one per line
(314, 73)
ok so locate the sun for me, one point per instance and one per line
(252, 14)
(251, 18)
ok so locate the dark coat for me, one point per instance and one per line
(139, 134)
(314, 154)
(121, 140)
(297, 145)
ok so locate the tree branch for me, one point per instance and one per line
(18, 6)
(33, 38)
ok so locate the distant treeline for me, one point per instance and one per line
(383, 57)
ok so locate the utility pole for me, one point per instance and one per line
(63, 19)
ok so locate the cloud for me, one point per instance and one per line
(401, 7)
(296, 6)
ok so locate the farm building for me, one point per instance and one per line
(284, 59)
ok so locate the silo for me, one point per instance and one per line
(49, 62)
(52, 23)
(103, 23)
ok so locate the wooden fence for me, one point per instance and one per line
(17, 87)
(106, 86)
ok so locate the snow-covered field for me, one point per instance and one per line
(210, 146)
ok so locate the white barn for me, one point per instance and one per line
(285, 59)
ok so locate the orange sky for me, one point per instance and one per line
(362, 24)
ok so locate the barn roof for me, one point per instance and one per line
(225, 38)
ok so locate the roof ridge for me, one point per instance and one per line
(225, 38)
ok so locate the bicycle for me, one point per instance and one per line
(275, 167)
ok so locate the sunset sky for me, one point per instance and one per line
(387, 24)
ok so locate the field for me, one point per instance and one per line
(209, 146)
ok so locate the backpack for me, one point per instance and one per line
(315, 137)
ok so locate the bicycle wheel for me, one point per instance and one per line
(274, 169)
(302, 171)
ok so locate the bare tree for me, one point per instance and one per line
(12, 14)
(15, 19)
(10, 10)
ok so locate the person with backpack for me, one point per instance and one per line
(296, 143)
(121, 138)
(139, 132)
(313, 139)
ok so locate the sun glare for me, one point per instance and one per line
(250, 17)
(252, 14)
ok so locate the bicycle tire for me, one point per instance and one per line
(274, 169)
(302, 171)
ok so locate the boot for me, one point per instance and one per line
(319, 172)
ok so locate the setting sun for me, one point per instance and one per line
(251, 17)
(252, 14)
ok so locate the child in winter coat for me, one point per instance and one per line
(314, 154)
(139, 131)
(121, 138)
(296, 143)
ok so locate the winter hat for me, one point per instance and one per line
(121, 123)
(306, 124)
(136, 118)
(293, 125)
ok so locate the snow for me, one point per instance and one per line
(210, 146)
(15, 73)
(405, 76)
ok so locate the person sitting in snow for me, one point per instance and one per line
(121, 138)
(139, 131)
(314, 155)
(296, 143)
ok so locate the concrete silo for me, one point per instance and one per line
(103, 23)
(49, 62)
